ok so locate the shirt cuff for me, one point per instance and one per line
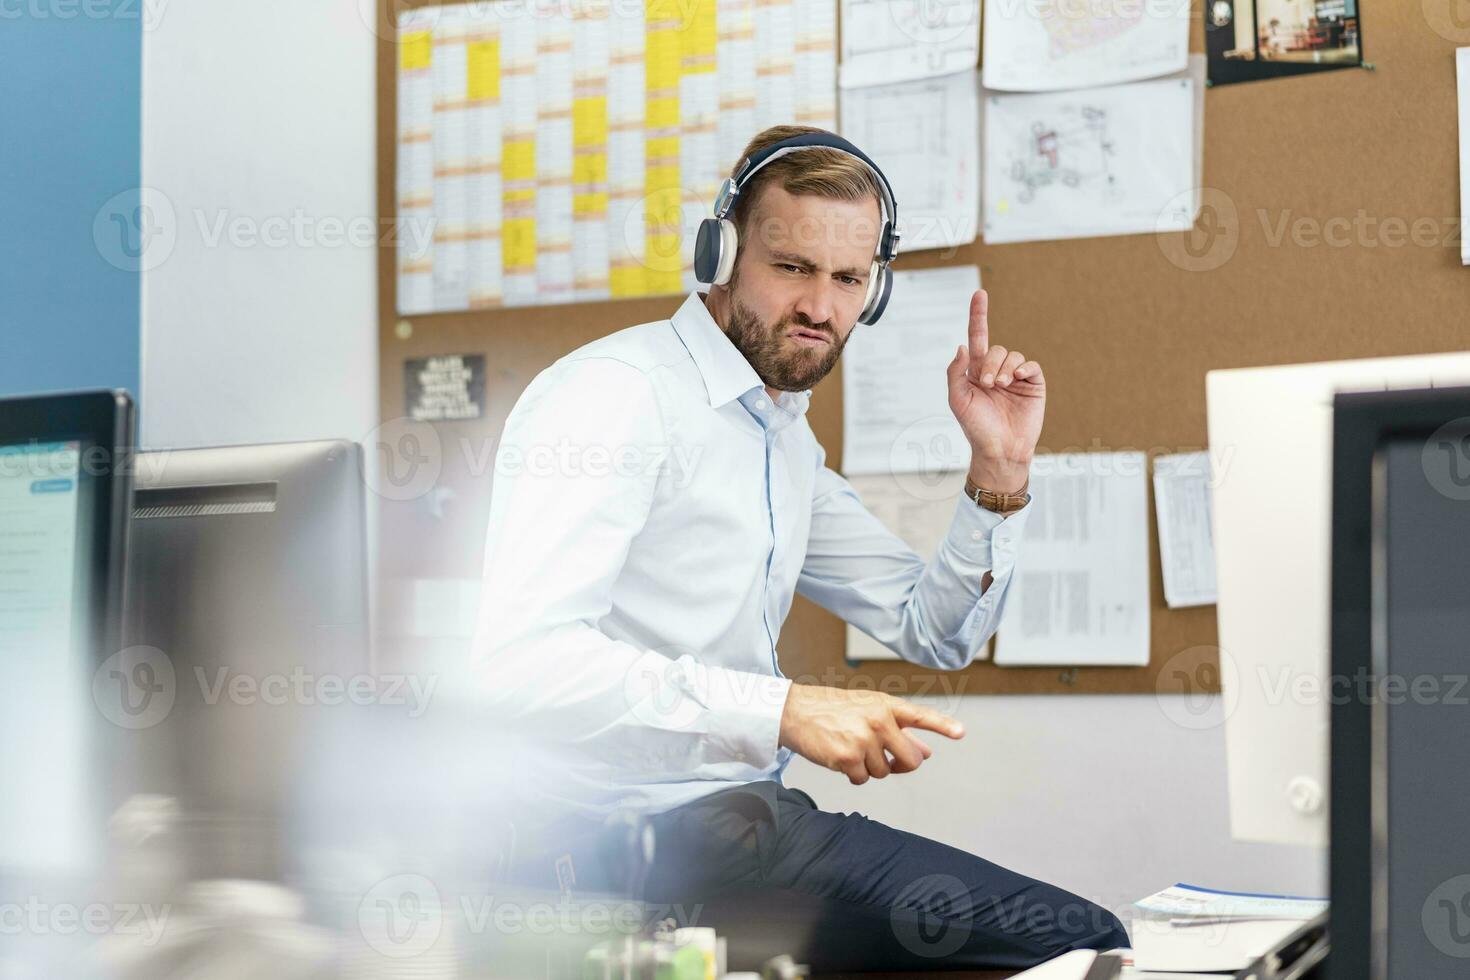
(980, 540)
(745, 714)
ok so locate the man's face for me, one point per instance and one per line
(799, 284)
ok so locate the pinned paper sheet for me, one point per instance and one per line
(1186, 547)
(925, 135)
(1462, 72)
(1080, 592)
(895, 395)
(1109, 161)
(1034, 47)
(919, 509)
(886, 41)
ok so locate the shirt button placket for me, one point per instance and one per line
(770, 551)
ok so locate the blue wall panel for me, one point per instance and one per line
(70, 100)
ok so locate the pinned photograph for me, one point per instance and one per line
(1250, 39)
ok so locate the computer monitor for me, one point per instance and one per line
(247, 599)
(1400, 863)
(64, 486)
(1270, 434)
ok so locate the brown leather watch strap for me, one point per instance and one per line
(1001, 503)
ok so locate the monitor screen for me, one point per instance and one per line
(45, 726)
(1400, 802)
(1422, 853)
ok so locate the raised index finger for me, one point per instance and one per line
(979, 325)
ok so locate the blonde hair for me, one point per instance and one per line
(817, 171)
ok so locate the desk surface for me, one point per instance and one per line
(947, 974)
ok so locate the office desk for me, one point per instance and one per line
(933, 975)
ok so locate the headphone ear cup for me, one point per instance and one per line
(880, 288)
(707, 245)
(729, 248)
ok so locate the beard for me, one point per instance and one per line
(782, 363)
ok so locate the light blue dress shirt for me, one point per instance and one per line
(652, 513)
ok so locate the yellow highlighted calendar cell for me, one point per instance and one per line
(661, 179)
(415, 50)
(518, 160)
(589, 205)
(681, 14)
(589, 168)
(626, 281)
(662, 114)
(664, 227)
(519, 238)
(589, 121)
(700, 38)
(482, 63)
(662, 50)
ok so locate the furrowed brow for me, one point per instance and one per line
(792, 258)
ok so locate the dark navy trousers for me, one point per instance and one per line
(775, 874)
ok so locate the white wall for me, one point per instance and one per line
(259, 115)
(1101, 794)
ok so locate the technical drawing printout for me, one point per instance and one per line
(552, 151)
(1080, 592)
(925, 135)
(1049, 45)
(895, 397)
(1107, 161)
(899, 40)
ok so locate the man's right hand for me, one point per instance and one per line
(861, 734)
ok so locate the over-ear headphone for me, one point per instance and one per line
(717, 242)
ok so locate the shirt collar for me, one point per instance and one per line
(727, 374)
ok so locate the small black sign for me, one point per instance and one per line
(446, 388)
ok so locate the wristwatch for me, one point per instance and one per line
(1001, 503)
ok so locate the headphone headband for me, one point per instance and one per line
(730, 190)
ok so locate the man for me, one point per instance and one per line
(660, 496)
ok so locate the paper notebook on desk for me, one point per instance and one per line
(1221, 946)
(1193, 902)
(1185, 928)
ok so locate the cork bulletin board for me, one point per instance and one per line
(1329, 231)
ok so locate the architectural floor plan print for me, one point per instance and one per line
(1073, 151)
(1105, 161)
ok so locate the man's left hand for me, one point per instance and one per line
(999, 398)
